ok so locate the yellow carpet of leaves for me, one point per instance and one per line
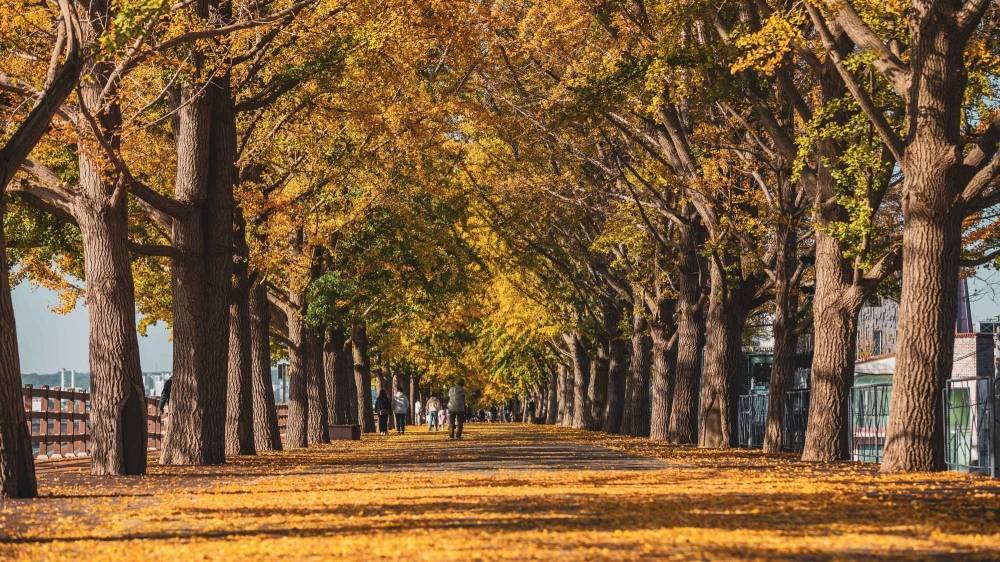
(507, 492)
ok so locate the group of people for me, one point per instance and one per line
(451, 414)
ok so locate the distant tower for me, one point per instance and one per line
(72, 378)
(62, 378)
(963, 320)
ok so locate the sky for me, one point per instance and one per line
(48, 341)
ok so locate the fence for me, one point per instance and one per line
(795, 415)
(752, 412)
(59, 422)
(869, 408)
(969, 424)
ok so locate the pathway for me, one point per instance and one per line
(507, 492)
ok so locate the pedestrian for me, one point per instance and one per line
(382, 407)
(433, 405)
(456, 410)
(165, 394)
(165, 410)
(400, 406)
(418, 410)
(443, 417)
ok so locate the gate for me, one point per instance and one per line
(795, 414)
(869, 407)
(969, 431)
(752, 412)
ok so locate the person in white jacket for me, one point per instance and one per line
(400, 406)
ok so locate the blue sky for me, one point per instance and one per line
(49, 341)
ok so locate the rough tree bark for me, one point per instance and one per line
(266, 436)
(297, 423)
(934, 174)
(239, 398)
(635, 413)
(17, 465)
(723, 353)
(118, 405)
(597, 390)
(690, 341)
(618, 351)
(552, 397)
(580, 375)
(337, 364)
(206, 155)
(318, 425)
(363, 377)
(785, 338)
(664, 357)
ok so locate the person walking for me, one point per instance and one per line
(400, 406)
(382, 407)
(456, 410)
(433, 405)
(418, 410)
(165, 410)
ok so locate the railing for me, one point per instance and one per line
(59, 422)
(795, 415)
(752, 412)
(969, 414)
(282, 410)
(869, 408)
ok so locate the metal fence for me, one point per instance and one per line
(752, 412)
(795, 415)
(869, 407)
(969, 424)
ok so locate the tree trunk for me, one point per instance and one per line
(914, 439)
(17, 463)
(297, 423)
(363, 377)
(635, 414)
(934, 173)
(601, 366)
(581, 375)
(118, 403)
(836, 306)
(723, 354)
(664, 356)
(339, 370)
(553, 401)
(785, 340)
(318, 426)
(266, 435)
(690, 342)
(206, 153)
(239, 391)
(618, 350)
(566, 373)
(412, 414)
(597, 391)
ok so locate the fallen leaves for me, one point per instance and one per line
(509, 492)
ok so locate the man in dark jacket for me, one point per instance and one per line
(165, 395)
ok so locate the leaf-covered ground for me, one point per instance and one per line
(507, 492)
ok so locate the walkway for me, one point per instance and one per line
(506, 493)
